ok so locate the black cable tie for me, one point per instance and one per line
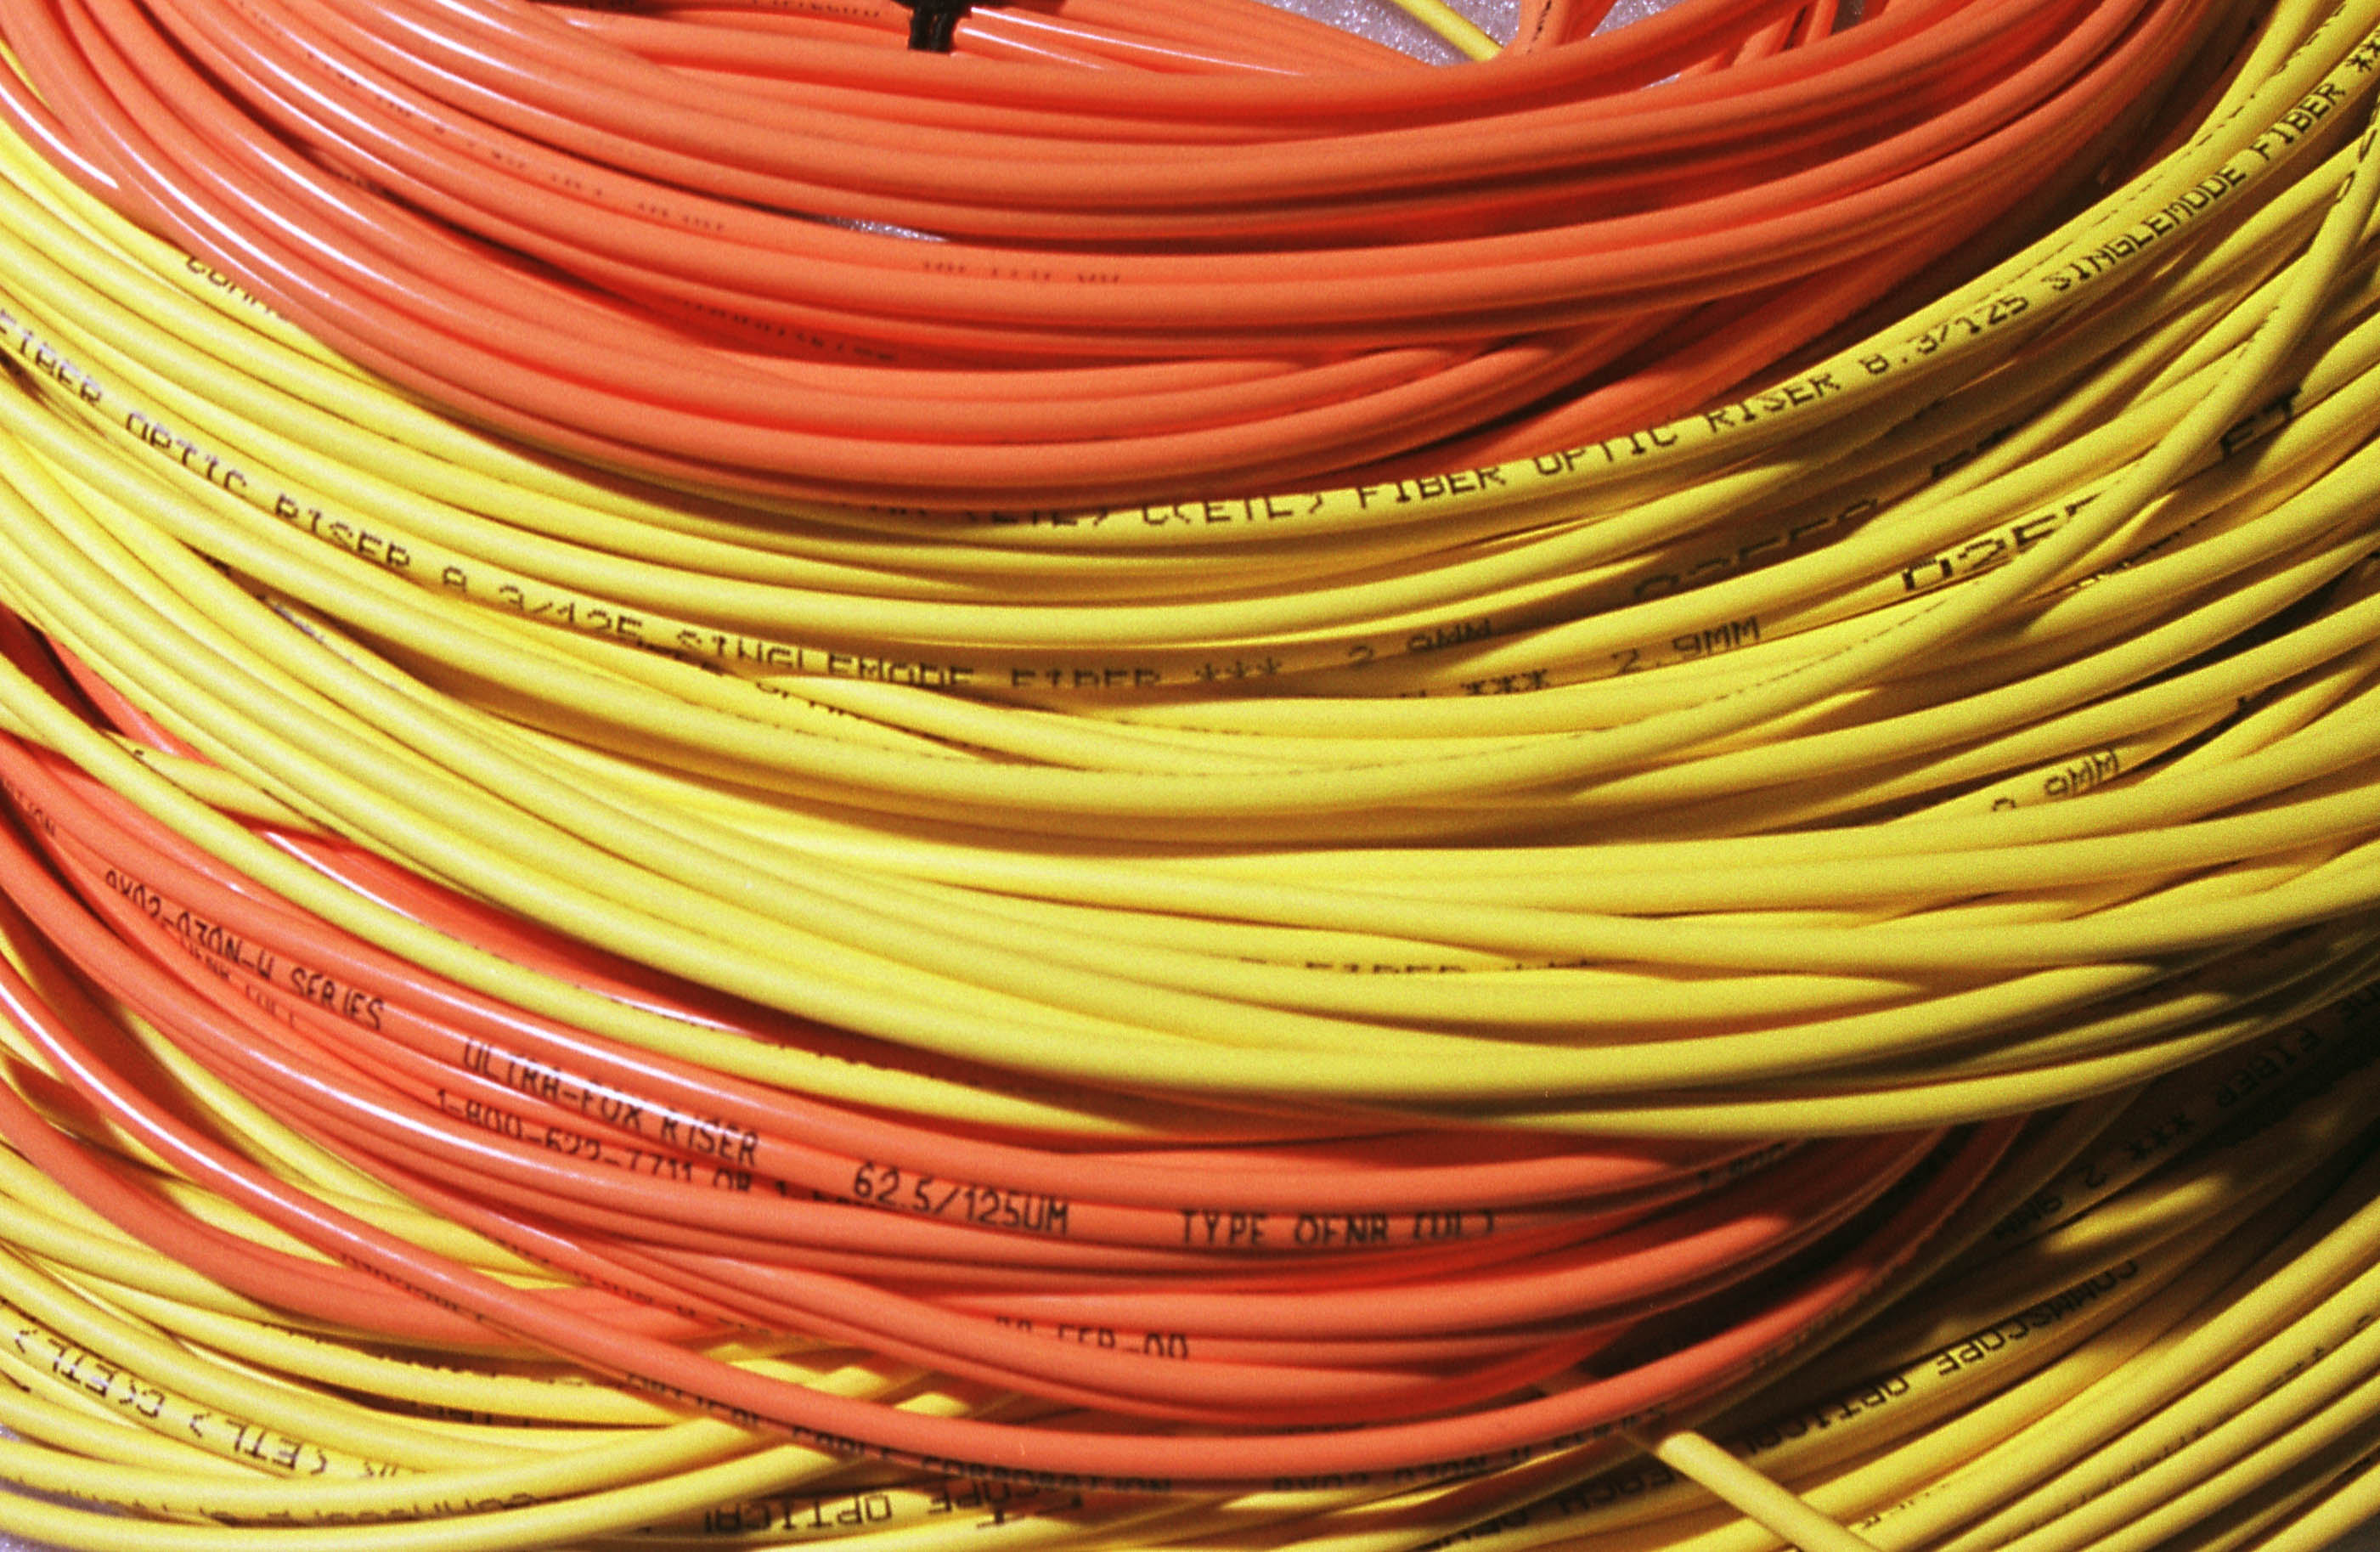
(932, 22)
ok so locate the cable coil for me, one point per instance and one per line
(938, 844)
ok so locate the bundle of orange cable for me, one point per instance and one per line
(658, 241)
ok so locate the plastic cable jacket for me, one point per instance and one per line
(2292, 840)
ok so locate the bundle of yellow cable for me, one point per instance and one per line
(1974, 724)
(2092, 525)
